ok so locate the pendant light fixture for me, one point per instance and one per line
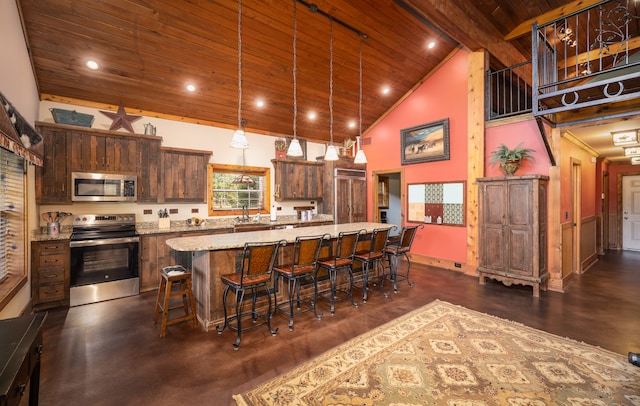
(360, 156)
(295, 149)
(331, 154)
(239, 139)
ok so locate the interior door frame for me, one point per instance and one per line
(576, 213)
(375, 207)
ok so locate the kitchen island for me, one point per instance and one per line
(210, 256)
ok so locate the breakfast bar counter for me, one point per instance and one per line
(209, 256)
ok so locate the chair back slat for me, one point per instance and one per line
(379, 238)
(408, 233)
(347, 244)
(259, 258)
(307, 249)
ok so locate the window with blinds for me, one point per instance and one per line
(12, 215)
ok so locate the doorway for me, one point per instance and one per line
(388, 200)
(631, 213)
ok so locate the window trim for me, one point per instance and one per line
(15, 279)
(238, 169)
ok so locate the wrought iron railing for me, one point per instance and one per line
(588, 58)
(509, 92)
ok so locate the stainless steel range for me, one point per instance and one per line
(104, 258)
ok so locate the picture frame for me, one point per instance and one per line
(303, 145)
(425, 142)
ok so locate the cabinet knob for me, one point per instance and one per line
(22, 388)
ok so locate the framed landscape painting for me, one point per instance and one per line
(425, 143)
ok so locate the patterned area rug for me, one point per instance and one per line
(442, 354)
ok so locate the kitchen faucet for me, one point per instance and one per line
(245, 214)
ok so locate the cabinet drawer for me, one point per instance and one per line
(48, 276)
(51, 292)
(48, 261)
(56, 247)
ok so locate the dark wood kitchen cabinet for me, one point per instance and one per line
(50, 274)
(155, 254)
(297, 180)
(53, 184)
(93, 151)
(513, 230)
(183, 175)
(148, 169)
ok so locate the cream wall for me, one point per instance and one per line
(18, 85)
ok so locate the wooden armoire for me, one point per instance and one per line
(513, 230)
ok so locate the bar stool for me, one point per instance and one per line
(395, 250)
(174, 281)
(372, 258)
(303, 265)
(254, 276)
(346, 245)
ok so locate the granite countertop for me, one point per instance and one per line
(237, 240)
(181, 226)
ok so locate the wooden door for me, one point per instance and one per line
(148, 170)
(358, 203)
(631, 213)
(342, 196)
(519, 227)
(492, 212)
(149, 271)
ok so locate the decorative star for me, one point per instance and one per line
(121, 119)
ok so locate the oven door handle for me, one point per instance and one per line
(105, 241)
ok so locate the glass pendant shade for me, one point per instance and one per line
(294, 148)
(361, 158)
(239, 140)
(331, 154)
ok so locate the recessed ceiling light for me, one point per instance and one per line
(385, 90)
(260, 103)
(352, 124)
(93, 65)
(311, 115)
(191, 87)
(431, 44)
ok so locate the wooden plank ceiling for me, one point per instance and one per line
(149, 50)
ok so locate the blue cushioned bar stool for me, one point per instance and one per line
(302, 269)
(254, 276)
(174, 281)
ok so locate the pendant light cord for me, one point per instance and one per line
(360, 100)
(295, 67)
(240, 64)
(331, 78)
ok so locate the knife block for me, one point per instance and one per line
(164, 222)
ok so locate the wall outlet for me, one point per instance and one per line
(173, 211)
(457, 265)
(147, 211)
(195, 210)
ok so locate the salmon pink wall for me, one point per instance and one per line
(614, 171)
(512, 134)
(443, 95)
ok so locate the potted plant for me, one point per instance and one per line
(511, 159)
(346, 148)
(281, 148)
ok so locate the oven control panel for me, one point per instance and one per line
(103, 219)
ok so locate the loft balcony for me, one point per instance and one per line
(585, 66)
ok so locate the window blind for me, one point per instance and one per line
(12, 214)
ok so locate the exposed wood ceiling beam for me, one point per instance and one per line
(462, 22)
(549, 16)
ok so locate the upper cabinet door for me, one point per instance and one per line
(102, 153)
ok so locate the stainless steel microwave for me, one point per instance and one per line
(102, 187)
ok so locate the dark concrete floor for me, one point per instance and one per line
(110, 353)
